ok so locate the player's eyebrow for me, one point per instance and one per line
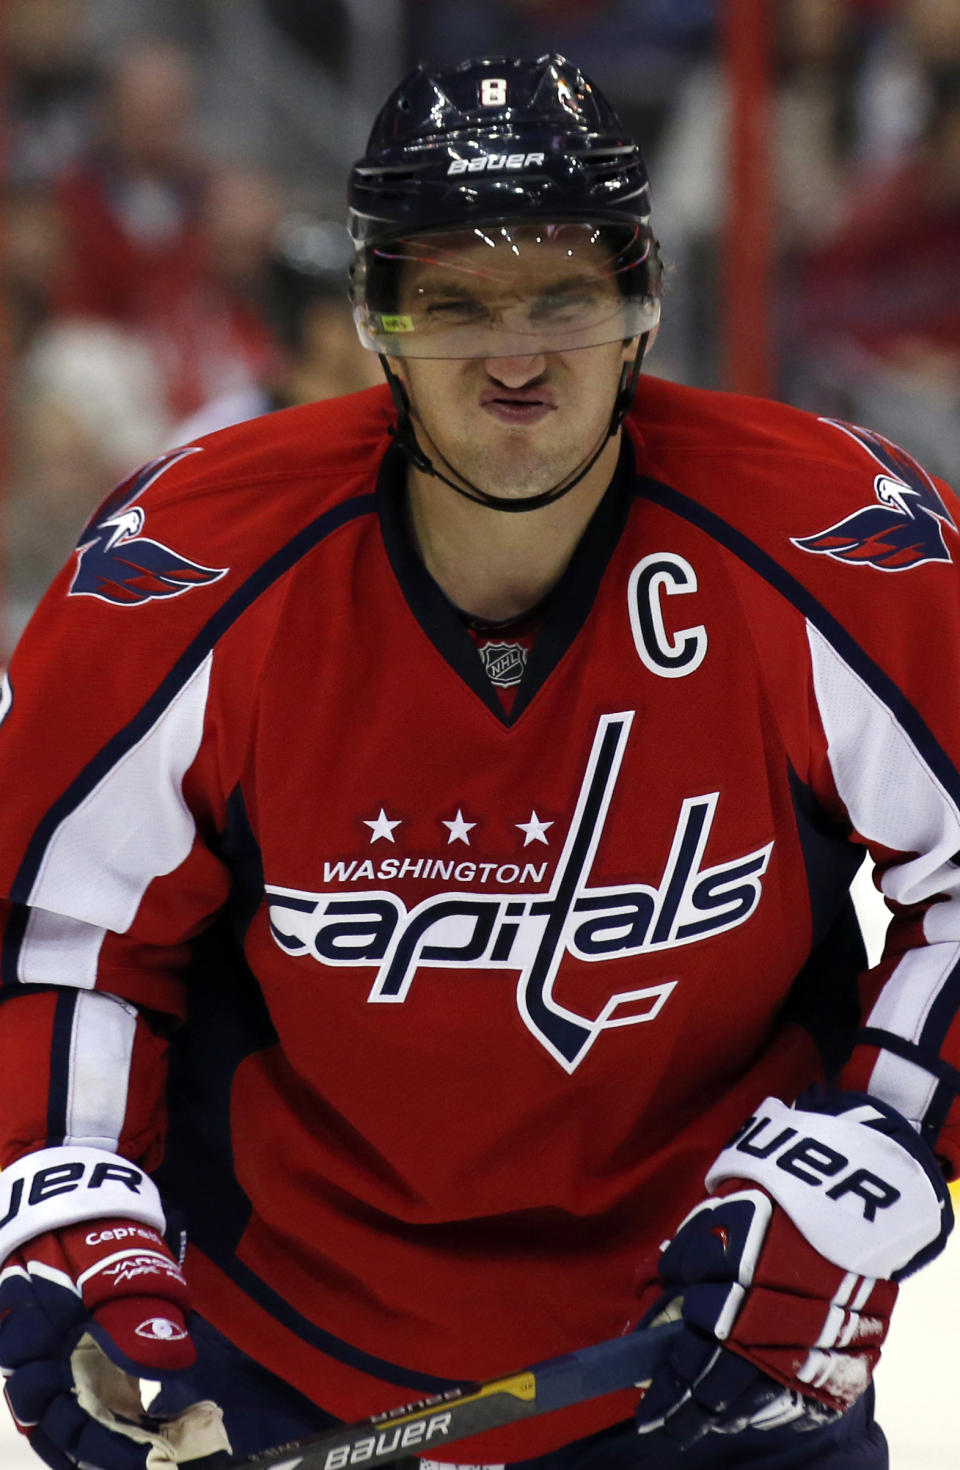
(440, 286)
(435, 284)
(584, 281)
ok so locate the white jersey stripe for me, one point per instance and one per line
(134, 825)
(905, 1085)
(101, 1048)
(891, 793)
(920, 976)
(894, 799)
(56, 950)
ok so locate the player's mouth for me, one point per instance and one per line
(518, 406)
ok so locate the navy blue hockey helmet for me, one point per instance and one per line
(485, 148)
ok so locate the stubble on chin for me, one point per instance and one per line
(516, 467)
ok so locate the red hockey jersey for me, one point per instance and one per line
(429, 1015)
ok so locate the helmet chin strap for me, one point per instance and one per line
(405, 435)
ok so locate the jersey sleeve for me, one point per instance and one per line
(900, 788)
(81, 1067)
(844, 553)
(883, 632)
(115, 779)
(126, 719)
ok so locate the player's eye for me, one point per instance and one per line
(563, 307)
(455, 312)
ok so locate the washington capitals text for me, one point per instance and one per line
(532, 932)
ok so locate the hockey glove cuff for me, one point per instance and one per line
(84, 1258)
(785, 1278)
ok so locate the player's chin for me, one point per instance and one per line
(530, 453)
(515, 469)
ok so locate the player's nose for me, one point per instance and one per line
(516, 372)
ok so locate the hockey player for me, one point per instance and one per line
(429, 819)
(317, 352)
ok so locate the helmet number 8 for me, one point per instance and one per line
(493, 91)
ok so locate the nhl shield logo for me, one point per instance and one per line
(504, 663)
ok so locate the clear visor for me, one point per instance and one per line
(506, 291)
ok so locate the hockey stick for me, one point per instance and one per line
(472, 1408)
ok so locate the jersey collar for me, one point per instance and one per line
(565, 609)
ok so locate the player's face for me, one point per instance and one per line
(523, 416)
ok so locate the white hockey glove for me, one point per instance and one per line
(786, 1276)
(92, 1300)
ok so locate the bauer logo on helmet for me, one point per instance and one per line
(491, 162)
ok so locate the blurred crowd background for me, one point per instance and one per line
(174, 256)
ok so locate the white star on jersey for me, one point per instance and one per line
(534, 830)
(459, 829)
(382, 827)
